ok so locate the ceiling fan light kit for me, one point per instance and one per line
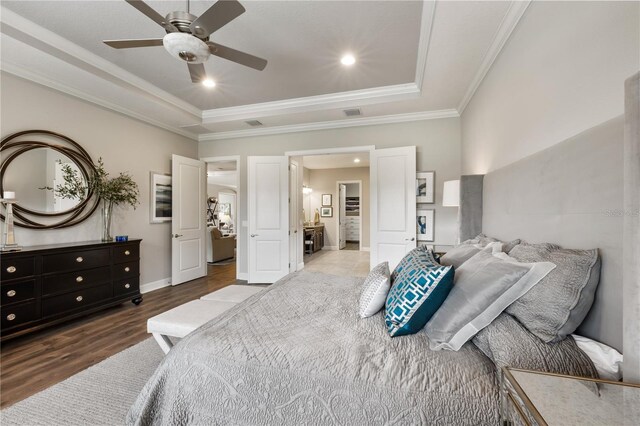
(186, 47)
(187, 37)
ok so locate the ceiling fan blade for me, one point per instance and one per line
(216, 17)
(151, 13)
(198, 73)
(237, 56)
(126, 44)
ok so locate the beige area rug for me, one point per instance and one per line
(99, 395)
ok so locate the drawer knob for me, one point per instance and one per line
(79, 259)
(79, 298)
(127, 252)
(11, 293)
(11, 269)
(79, 279)
(127, 269)
(11, 317)
(127, 285)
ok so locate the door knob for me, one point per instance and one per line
(254, 235)
(410, 239)
(177, 235)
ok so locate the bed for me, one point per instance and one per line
(298, 353)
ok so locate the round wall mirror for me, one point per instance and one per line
(34, 166)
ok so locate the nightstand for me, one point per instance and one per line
(537, 398)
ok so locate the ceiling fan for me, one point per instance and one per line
(187, 36)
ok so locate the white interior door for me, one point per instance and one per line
(293, 216)
(268, 218)
(342, 196)
(188, 223)
(393, 204)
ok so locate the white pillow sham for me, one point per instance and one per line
(374, 290)
(607, 360)
(484, 286)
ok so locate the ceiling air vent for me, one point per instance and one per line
(353, 112)
(254, 123)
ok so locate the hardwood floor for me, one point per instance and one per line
(31, 363)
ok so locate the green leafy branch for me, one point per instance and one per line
(119, 190)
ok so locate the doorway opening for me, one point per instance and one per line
(335, 212)
(222, 216)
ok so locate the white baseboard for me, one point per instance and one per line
(365, 249)
(244, 276)
(155, 285)
(300, 266)
(330, 248)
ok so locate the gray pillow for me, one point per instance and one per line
(484, 286)
(508, 344)
(482, 240)
(458, 255)
(559, 303)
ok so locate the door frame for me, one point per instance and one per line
(240, 233)
(344, 182)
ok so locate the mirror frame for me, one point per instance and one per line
(19, 143)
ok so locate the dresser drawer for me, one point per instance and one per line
(75, 260)
(60, 283)
(126, 253)
(76, 300)
(127, 286)
(19, 291)
(15, 315)
(17, 267)
(126, 270)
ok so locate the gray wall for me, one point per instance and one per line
(438, 148)
(124, 144)
(570, 194)
(561, 73)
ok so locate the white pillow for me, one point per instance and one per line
(484, 286)
(608, 361)
(374, 290)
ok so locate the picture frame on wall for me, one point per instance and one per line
(160, 191)
(326, 212)
(425, 187)
(327, 199)
(425, 224)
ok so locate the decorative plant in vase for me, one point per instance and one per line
(113, 191)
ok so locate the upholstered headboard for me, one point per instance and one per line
(570, 194)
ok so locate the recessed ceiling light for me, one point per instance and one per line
(356, 160)
(208, 83)
(348, 59)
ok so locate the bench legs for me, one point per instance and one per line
(163, 341)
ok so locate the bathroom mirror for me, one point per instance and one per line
(33, 164)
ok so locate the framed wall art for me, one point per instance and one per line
(425, 187)
(326, 212)
(327, 200)
(160, 198)
(425, 221)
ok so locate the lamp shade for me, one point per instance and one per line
(451, 193)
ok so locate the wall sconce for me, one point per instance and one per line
(306, 190)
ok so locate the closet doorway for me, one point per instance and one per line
(349, 214)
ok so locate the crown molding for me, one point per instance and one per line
(507, 26)
(26, 74)
(426, 28)
(40, 38)
(348, 99)
(336, 124)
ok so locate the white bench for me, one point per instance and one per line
(182, 320)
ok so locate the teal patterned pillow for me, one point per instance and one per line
(420, 287)
(420, 252)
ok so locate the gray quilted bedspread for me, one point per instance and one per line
(299, 354)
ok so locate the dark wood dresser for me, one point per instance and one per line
(45, 285)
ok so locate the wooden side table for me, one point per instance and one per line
(537, 398)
